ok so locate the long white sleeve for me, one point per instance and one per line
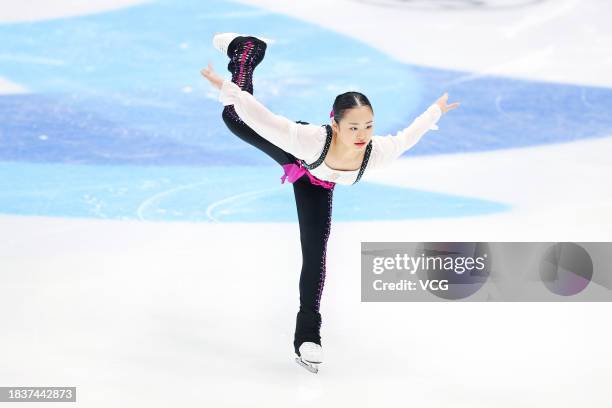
(388, 148)
(302, 141)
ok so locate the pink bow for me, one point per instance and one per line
(295, 171)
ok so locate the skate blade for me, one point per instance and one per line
(312, 367)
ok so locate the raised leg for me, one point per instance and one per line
(245, 54)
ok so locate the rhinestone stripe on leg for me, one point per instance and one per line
(324, 257)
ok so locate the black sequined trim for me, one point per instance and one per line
(321, 158)
(364, 163)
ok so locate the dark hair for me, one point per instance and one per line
(348, 100)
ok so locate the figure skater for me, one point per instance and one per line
(314, 158)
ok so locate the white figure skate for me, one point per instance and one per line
(311, 355)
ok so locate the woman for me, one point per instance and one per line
(314, 158)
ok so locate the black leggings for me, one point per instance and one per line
(313, 202)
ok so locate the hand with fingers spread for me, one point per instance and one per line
(210, 74)
(442, 103)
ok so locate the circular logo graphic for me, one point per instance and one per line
(566, 269)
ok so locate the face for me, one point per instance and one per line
(357, 125)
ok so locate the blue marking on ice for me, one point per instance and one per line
(123, 87)
(177, 193)
(121, 90)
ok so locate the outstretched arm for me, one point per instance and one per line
(302, 141)
(390, 147)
